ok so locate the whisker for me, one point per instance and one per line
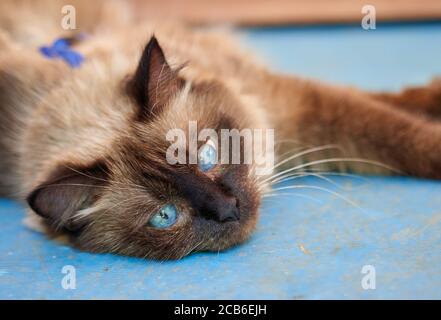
(104, 180)
(332, 160)
(308, 151)
(192, 249)
(321, 189)
(127, 188)
(333, 173)
(298, 152)
(124, 201)
(287, 153)
(321, 175)
(302, 175)
(273, 195)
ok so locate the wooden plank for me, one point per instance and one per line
(279, 12)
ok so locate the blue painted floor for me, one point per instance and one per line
(307, 247)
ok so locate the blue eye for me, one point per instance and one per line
(165, 217)
(207, 157)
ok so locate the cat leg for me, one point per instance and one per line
(366, 128)
(424, 100)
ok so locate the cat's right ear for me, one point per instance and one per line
(65, 194)
(154, 81)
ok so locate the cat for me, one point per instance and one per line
(85, 147)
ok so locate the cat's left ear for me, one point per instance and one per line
(61, 199)
(154, 81)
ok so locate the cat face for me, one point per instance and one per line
(134, 201)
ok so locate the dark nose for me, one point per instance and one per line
(221, 208)
(209, 200)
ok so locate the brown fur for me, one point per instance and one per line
(86, 147)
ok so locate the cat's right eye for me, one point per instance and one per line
(165, 217)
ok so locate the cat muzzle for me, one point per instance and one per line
(221, 208)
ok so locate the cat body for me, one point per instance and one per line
(85, 147)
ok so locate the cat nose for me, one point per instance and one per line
(228, 211)
(210, 201)
(221, 209)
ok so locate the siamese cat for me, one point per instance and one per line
(85, 146)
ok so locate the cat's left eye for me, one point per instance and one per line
(165, 217)
(207, 157)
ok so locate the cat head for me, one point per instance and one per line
(133, 200)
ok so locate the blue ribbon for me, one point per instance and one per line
(61, 49)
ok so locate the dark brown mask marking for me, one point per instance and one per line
(208, 199)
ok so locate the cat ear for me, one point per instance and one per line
(61, 198)
(154, 82)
